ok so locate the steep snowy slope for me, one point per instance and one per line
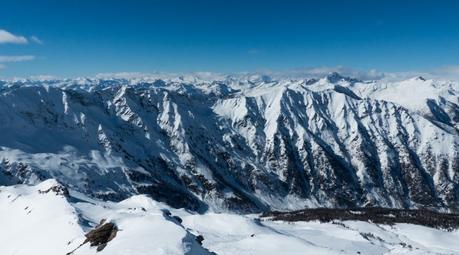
(239, 143)
(40, 218)
(45, 218)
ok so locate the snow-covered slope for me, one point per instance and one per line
(40, 218)
(45, 219)
(248, 143)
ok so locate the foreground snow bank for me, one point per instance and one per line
(43, 218)
(33, 220)
(233, 234)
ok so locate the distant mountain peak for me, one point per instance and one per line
(335, 77)
(420, 78)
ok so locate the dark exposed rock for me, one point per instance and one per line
(177, 198)
(177, 218)
(101, 235)
(199, 239)
(57, 189)
(346, 91)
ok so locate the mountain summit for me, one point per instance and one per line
(246, 145)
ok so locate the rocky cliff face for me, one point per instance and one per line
(238, 144)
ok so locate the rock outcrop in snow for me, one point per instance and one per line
(242, 144)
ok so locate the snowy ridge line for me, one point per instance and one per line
(248, 144)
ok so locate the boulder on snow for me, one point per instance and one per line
(101, 235)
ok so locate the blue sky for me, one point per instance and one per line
(86, 37)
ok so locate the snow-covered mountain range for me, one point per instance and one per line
(247, 143)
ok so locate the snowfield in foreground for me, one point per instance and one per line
(48, 219)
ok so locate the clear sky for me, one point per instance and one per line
(86, 37)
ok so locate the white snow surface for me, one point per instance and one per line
(47, 223)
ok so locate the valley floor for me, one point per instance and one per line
(46, 219)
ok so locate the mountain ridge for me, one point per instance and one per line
(244, 144)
